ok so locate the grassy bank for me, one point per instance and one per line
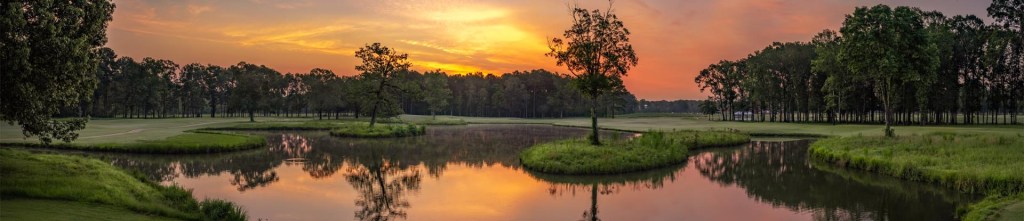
(651, 150)
(991, 164)
(189, 142)
(293, 125)
(363, 130)
(92, 186)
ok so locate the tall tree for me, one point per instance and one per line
(888, 47)
(436, 92)
(48, 60)
(251, 90)
(596, 51)
(379, 65)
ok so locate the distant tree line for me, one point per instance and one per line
(885, 65)
(156, 88)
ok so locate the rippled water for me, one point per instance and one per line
(473, 173)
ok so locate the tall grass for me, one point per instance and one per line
(988, 164)
(364, 130)
(651, 150)
(189, 142)
(75, 178)
(970, 163)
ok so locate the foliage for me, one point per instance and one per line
(74, 178)
(436, 92)
(363, 130)
(651, 150)
(380, 64)
(215, 209)
(189, 142)
(596, 51)
(48, 54)
(913, 66)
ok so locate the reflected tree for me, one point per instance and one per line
(779, 174)
(382, 187)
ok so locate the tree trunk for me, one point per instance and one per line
(594, 139)
(376, 104)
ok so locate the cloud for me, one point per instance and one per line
(674, 39)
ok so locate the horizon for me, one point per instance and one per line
(461, 37)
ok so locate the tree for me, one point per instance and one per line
(48, 60)
(888, 47)
(324, 90)
(707, 107)
(380, 63)
(436, 92)
(596, 51)
(251, 89)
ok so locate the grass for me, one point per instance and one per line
(85, 180)
(645, 122)
(997, 207)
(989, 164)
(363, 130)
(37, 209)
(443, 121)
(191, 142)
(298, 125)
(651, 150)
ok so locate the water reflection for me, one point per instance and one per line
(382, 188)
(473, 173)
(607, 184)
(779, 174)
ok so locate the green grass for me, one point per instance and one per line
(191, 142)
(970, 163)
(654, 122)
(297, 125)
(363, 130)
(989, 164)
(80, 179)
(18, 209)
(997, 207)
(653, 149)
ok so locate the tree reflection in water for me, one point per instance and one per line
(779, 174)
(382, 188)
(607, 184)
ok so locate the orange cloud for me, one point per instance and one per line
(673, 39)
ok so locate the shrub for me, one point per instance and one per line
(215, 209)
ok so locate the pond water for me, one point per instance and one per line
(472, 173)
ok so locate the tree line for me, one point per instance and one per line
(886, 65)
(157, 88)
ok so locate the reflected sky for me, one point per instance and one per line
(472, 173)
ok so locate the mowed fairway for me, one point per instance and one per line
(756, 128)
(132, 130)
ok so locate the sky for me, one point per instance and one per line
(673, 39)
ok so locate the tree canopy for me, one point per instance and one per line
(597, 52)
(48, 59)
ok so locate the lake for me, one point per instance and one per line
(472, 173)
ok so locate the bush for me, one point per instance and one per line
(216, 209)
(651, 150)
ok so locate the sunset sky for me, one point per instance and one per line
(674, 39)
